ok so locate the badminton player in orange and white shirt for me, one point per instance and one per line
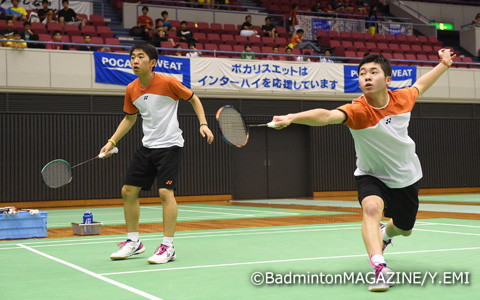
(156, 98)
(388, 169)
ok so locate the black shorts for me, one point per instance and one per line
(400, 204)
(148, 164)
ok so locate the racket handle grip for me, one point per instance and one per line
(272, 124)
(113, 151)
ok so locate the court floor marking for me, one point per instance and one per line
(451, 232)
(284, 260)
(211, 233)
(93, 274)
(250, 210)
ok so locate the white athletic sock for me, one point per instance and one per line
(133, 236)
(168, 241)
(377, 259)
(385, 236)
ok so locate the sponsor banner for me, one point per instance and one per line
(402, 76)
(266, 75)
(115, 68)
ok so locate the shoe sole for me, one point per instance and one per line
(156, 262)
(140, 251)
(382, 288)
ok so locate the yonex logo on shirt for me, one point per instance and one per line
(145, 98)
(169, 182)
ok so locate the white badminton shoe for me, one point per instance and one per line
(163, 254)
(127, 249)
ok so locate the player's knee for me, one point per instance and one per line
(405, 232)
(128, 192)
(371, 207)
(166, 195)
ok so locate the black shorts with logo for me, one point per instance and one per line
(400, 204)
(148, 164)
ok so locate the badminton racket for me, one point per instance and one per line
(58, 172)
(233, 128)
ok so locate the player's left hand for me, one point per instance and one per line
(206, 132)
(447, 55)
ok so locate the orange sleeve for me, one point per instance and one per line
(179, 90)
(128, 106)
(357, 116)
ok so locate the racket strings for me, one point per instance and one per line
(57, 173)
(233, 128)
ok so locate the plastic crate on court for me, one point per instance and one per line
(23, 225)
(87, 229)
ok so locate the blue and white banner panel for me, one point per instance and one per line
(402, 76)
(115, 68)
(266, 75)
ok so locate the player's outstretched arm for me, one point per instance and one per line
(314, 117)
(429, 78)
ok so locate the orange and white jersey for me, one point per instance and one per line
(158, 105)
(384, 149)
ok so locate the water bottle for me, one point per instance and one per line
(87, 218)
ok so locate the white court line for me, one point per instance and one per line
(198, 236)
(252, 210)
(208, 212)
(450, 232)
(200, 233)
(93, 274)
(283, 260)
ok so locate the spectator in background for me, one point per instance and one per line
(160, 35)
(57, 38)
(194, 52)
(247, 27)
(477, 19)
(178, 52)
(276, 50)
(69, 16)
(9, 31)
(247, 53)
(318, 7)
(17, 13)
(185, 35)
(3, 15)
(145, 23)
(298, 43)
(289, 53)
(29, 35)
(371, 21)
(166, 23)
(269, 29)
(46, 14)
(292, 20)
(17, 45)
(326, 57)
(87, 39)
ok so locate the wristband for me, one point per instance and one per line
(113, 142)
(445, 63)
(204, 124)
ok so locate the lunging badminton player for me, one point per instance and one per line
(388, 169)
(156, 98)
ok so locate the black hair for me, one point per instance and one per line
(300, 31)
(149, 49)
(145, 8)
(164, 13)
(56, 32)
(379, 59)
(183, 22)
(63, 1)
(45, 1)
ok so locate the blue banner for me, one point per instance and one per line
(402, 76)
(114, 68)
